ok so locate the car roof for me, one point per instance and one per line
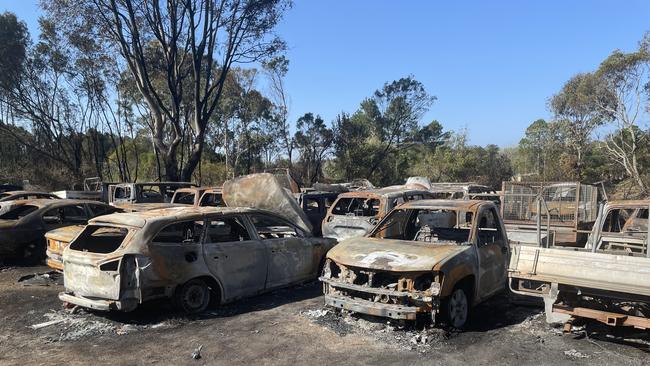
(169, 215)
(386, 192)
(27, 192)
(462, 205)
(47, 203)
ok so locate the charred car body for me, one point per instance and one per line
(316, 204)
(194, 255)
(22, 228)
(199, 196)
(426, 257)
(607, 281)
(354, 214)
(8, 199)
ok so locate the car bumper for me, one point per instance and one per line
(54, 260)
(372, 308)
(97, 304)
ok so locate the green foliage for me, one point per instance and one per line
(14, 39)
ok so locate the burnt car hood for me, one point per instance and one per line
(263, 191)
(392, 255)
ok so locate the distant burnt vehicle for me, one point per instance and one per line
(22, 229)
(356, 213)
(315, 204)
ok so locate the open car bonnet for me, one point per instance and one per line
(392, 255)
(263, 191)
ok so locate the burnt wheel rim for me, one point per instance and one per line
(458, 308)
(195, 297)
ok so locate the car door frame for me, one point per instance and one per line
(492, 258)
(223, 251)
(272, 248)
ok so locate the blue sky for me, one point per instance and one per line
(492, 64)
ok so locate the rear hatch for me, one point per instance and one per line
(91, 268)
(346, 227)
(352, 215)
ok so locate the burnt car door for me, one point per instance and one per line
(291, 257)
(492, 253)
(234, 256)
(57, 217)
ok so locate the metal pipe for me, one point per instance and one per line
(598, 225)
(539, 221)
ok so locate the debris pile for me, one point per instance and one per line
(399, 334)
(42, 279)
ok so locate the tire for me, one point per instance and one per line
(457, 308)
(193, 297)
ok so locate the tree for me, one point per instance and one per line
(352, 150)
(314, 140)
(431, 136)
(576, 109)
(276, 70)
(542, 146)
(179, 54)
(625, 76)
(14, 39)
(395, 111)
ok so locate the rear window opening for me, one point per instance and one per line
(365, 207)
(99, 239)
(184, 198)
(212, 200)
(18, 212)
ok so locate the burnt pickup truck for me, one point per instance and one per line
(428, 257)
(608, 281)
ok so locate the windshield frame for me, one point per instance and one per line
(471, 237)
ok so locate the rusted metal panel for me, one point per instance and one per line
(605, 317)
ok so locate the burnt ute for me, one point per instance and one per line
(426, 257)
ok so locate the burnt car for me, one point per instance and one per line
(25, 195)
(22, 228)
(212, 197)
(426, 258)
(8, 199)
(57, 240)
(194, 255)
(316, 204)
(199, 196)
(354, 214)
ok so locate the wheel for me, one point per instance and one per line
(457, 308)
(193, 297)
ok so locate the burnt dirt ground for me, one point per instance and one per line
(289, 326)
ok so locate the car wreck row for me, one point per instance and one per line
(420, 250)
